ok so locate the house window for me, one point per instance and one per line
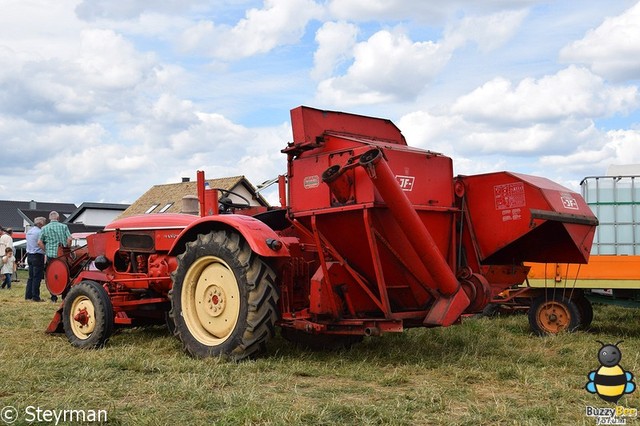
(150, 209)
(165, 208)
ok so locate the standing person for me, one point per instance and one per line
(52, 235)
(8, 267)
(5, 239)
(35, 259)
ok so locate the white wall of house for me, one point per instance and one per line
(242, 190)
(97, 217)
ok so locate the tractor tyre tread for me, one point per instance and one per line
(257, 325)
(103, 312)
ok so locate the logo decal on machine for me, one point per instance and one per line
(311, 182)
(568, 201)
(406, 182)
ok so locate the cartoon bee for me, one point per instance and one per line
(610, 381)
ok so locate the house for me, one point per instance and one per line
(169, 198)
(19, 215)
(91, 217)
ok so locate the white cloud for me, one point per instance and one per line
(335, 45)
(390, 67)
(423, 11)
(572, 92)
(114, 98)
(387, 67)
(612, 49)
(615, 147)
(552, 117)
(108, 61)
(280, 22)
(488, 32)
(92, 10)
(40, 29)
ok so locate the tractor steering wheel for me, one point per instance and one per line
(228, 204)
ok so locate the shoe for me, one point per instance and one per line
(37, 300)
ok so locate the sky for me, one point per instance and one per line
(102, 99)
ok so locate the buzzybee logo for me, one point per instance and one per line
(610, 381)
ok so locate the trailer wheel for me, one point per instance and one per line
(586, 311)
(551, 315)
(224, 298)
(87, 315)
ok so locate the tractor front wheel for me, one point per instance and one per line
(553, 314)
(87, 315)
(224, 298)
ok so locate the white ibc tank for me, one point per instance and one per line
(615, 200)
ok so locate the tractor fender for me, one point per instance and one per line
(262, 239)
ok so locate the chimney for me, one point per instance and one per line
(190, 205)
(185, 179)
(32, 205)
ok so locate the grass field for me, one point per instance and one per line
(484, 371)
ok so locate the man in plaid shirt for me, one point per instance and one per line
(53, 235)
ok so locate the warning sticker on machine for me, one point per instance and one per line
(509, 196)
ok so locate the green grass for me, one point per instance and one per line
(484, 371)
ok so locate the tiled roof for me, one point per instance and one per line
(172, 194)
(10, 216)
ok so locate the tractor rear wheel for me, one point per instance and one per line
(87, 315)
(553, 314)
(224, 300)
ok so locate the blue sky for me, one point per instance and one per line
(101, 99)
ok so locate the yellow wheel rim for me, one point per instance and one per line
(210, 300)
(82, 317)
(554, 317)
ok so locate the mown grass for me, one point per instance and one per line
(484, 371)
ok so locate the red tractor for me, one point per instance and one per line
(373, 236)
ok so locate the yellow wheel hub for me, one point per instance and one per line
(83, 318)
(210, 300)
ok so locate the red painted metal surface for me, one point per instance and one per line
(407, 217)
(516, 218)
(310, 124)
(57, 277)
(374, 236)
(208, 197)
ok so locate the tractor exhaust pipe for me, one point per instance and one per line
(409, 221)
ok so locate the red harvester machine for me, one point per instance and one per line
(373, 236)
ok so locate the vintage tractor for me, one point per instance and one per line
(372, 236)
